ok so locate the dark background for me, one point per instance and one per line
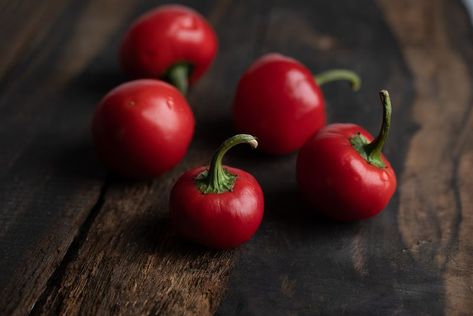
(77, 240)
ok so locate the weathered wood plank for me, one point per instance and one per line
(50, 179)
(442, 86)
(435, 207)
(459, 273)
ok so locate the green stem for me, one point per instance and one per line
(375, 148)
(372, 152)
(217, 179)
(178, 76)
(339, 74)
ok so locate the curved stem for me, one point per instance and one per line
(375, 148)
(178, 76)
(216, 179)
(372, 151)
(339, 74)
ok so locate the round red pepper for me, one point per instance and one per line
(171, 42)
(342, 172)
(279, 101)
(219, 207)
(142, 128)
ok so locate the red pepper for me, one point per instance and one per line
(278, 101)
(342, 172)
(142, 128)
(218, 206)
(171, 42)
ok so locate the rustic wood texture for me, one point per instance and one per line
(75, 240)
(436, 177)
(50, 179)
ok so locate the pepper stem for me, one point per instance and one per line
(178, 76)
(217, 179)
(339, 74)
(372, 151)
(375, 148)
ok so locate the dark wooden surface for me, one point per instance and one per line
(75, 240)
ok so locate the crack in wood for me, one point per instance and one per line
(73, 249)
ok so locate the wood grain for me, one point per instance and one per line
(26, 33)
(435, 211)
(131, 263)
(458, 272)
(50, 180)
(74, 240)
(428, 212)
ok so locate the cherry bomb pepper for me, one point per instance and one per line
(342, 172)
(218, 206)
(171, 42)
(142, 128)
(279, 101)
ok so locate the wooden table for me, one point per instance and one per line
(76, 240)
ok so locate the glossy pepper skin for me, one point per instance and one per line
(279, 101)
(218, 206)
(171, 42)
(142, 128)
(340, 182)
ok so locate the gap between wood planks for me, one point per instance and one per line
(73, 249)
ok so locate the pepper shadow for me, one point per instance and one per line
(289, 211)
(154, 233)
(95, 83)
(210, 132)
(78, 160)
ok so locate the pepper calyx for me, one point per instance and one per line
(225, 183)
(372, 151)
(359, 143)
